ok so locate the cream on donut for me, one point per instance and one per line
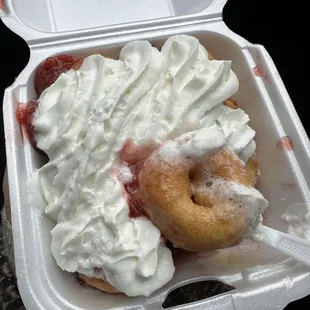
(83, 122)
(199, 193)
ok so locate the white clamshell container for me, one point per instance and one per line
(262, 277)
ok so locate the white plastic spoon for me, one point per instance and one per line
(294, 247)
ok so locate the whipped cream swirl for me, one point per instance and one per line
(82, 123)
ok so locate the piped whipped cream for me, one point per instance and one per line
(82, 123)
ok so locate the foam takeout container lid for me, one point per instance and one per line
(263, 278)
(42, 21)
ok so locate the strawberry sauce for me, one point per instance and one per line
(133, 157)
(24, 116)
(136, 208)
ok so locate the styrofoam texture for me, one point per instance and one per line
(57, 20)
(53, 15)
(263, 278)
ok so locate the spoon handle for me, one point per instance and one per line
(294, 247)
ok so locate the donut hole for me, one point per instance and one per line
(195, 291)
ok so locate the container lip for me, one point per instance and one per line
(36, 37)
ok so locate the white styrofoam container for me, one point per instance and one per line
(263, 278)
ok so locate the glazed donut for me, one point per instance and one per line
(189, 199)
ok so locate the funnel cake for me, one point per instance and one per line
(194, 184)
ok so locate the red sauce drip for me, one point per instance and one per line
(133, 156)
(136, 207)
(133, 153)
(285, 143)
(24, 116)
(21, 114)
(288, 185)
(259, 71)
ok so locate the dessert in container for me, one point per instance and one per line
(262, 277)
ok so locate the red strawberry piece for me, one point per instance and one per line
(48, 72)
(24, 115)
